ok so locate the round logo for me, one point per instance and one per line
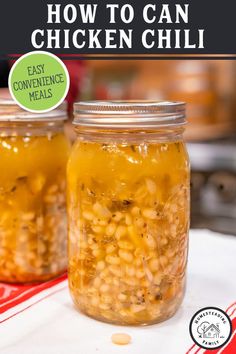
(210, 328)
(39, 81)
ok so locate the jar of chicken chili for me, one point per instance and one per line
(128, 209)
(33, 158)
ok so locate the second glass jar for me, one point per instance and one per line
(128, 206)
(33, 158)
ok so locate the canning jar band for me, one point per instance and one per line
(129, 114)
(11, 112)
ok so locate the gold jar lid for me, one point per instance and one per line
(129, 114)
(11, 112)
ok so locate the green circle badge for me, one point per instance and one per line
(39, 81)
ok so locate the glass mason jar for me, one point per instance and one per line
(128, 209)
(33, 157)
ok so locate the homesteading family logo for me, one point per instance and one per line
(210, 328)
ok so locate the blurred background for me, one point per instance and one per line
(209, 88)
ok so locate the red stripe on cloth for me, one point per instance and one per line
(228, 309)
(194, 345)
(231, 347)
(232, 314)
(36, 302)
(14, 294)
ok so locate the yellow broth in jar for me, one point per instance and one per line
(32, 206)
(128, 207)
